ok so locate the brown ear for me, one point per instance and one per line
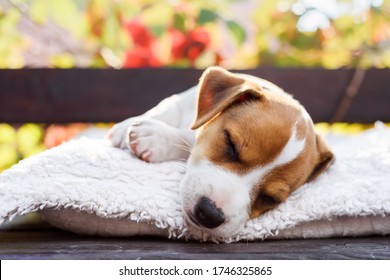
(325, 158)
(218, 89)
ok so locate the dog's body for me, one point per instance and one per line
(255, 145)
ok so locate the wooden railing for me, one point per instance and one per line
(108, 95)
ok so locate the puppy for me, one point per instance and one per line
(253, 146)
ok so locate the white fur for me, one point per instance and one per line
(305, 114)
(107, 192)
(164, 131)
(292, 149)
(163, 134)
(230, 191)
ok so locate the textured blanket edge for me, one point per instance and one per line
(341, 213)
(340, 226)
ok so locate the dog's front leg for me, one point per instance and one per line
(162, 133)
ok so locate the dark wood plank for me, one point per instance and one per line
(86, 95)
(107, 95)
(64, 245)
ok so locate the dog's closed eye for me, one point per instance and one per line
(263, 203)
(231, 150)
(267, 200)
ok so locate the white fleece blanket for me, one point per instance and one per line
(88, 187)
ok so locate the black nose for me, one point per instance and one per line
(207, 214)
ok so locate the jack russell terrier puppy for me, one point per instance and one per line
(253, 147)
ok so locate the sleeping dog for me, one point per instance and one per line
(249, 147)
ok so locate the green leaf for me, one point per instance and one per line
(181, 63)
(110, 31)
(237, 31)
(159, 13)
(157, 30)
(67, 15)
(206, 16)
(179, 22)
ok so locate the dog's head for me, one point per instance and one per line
(255, 146)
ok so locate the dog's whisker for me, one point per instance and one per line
(184, 148)
(186, 142)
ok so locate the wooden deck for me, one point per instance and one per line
(55, 244)
(107, 95)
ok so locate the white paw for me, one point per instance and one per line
(118, 133)
(150, 140)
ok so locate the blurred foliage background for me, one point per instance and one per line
(182, 33)
(178, 33)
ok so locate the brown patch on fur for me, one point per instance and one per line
(324, 160)
(283, 180)
(280, 182)
(258, 129)
(218, 90)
